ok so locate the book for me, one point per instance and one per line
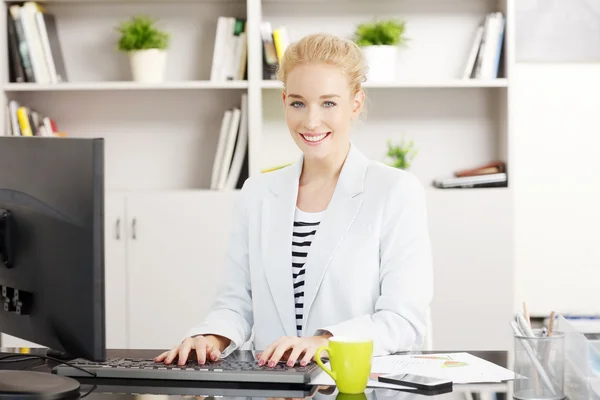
(493, 167)
(476, 181)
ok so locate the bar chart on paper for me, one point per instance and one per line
(448, 361)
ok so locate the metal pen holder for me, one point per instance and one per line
(539, 366)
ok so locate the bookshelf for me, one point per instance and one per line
(416, 83)
(104, 86)
(161, 138)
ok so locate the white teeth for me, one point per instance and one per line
(314, 138)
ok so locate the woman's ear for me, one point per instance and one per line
(283, 96)
(357, 104)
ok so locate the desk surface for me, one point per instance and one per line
(109, 390)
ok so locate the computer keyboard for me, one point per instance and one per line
(224, 370)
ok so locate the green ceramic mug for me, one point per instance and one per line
(350, 360)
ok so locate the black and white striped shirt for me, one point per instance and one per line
(305, 228)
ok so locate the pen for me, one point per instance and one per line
(525, 328)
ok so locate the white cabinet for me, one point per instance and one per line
(472, 241)
(175, 245)
(115, 272)
(164, 260)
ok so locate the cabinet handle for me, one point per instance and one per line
(133, 228)
(118, 229)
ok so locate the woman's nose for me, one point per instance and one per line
(312, 121)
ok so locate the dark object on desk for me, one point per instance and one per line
(38, 385)
(240, 366)
(416, 381)
(53, 288)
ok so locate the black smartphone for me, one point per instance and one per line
(416, 381)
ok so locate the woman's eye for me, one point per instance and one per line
(329, 104)
(296, 104)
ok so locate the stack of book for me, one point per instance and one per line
(34, 49)
(483, 61)
(25, 121)
(230, 166)
(230, 52)
(492, 174)
(274, 43)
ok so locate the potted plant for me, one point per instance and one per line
(401, 155)
(379, 41)
(146, 47)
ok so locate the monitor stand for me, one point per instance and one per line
(30, 385)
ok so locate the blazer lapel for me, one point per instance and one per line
(341, 213)
(277, 226)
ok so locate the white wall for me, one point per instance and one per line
(556, 181)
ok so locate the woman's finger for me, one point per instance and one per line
(161, 357)
(268, 351)
(212, 352)
(283, 346)
(308, 355)
(184, 351)
(172, 354)
(298, 349)
(201, 344)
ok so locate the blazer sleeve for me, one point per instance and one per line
(399, 322)
(231, 314)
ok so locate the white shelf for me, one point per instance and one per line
(161, 138)
(453, 83)
(124, 85)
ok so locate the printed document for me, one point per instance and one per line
(456, 367)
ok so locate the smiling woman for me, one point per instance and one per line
(322, 94)
(333, 245)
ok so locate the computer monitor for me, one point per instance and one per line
(52, 243)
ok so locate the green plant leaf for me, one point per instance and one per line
(383, 32)
(139, 33)
(401, 155)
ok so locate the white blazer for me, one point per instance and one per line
(368, 271)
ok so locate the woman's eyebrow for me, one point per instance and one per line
(325, 96)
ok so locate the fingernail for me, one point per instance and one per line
(271, 364)
(303, 363)
(290, 363)
(261, 363)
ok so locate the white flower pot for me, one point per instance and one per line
(148, 66)
(382, 63)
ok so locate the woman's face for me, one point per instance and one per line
(319, 108)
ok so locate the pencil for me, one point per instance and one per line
(551, 324)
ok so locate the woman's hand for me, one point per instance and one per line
(206, 347)
(292, 348)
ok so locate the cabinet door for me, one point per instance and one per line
(472, 236)
(176, 255)
(115, 250)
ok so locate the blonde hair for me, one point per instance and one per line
(327, 49)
